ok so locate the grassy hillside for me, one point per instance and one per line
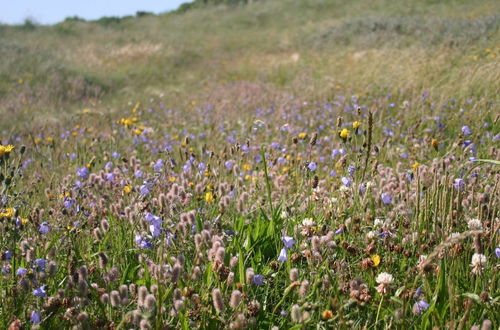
(310, 48)
(291, 164)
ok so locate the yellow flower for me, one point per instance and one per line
(248, 177)
(6, 149)
(127, 189)
(172, 178)
(49, 139)
(302, 135)
(435, 144)
(356, 124)
(415, 166)
(8, 213)
(375, 259)
(344, 134)
(285, 169)
(86, 111)
(24, 220)
(209, 197)
(327, 314)
(246, 167)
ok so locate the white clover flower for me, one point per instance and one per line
(307, 222)
(478, 263)
(378, 223)
(371, 234)
(384, 281)
(474, 224)
(384, 278)
(344, 188)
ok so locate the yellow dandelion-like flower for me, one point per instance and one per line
(344, 134)
(209, 197)
(415, 166)
(356, 124)
(8, 212)
(435, 144)
(172, 178)
(24, 221)
(5, 149)
(327, 314)
(248, 177)
(302, 135)
(127, 189)
(375, 259)
(86, 110)
(246, 167)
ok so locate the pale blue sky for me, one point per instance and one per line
(53, 11)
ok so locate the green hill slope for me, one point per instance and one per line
(310, 48)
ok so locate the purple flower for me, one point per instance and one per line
(420, 306)
(312, 166)
(288, 241)
(466, 130)
(68, 203)
(35, 317)
(228, 164)
(40, 292)
(346, 181)
(497, 252)
(144, 190)
(138, 174)
(418, 292)
(386, 198)
(142, 242)
(336, 152)
(72, 156)
(362, 188)
(83, 172)
(8, 255)
(383, 234)
(283, 255)
(21, 271)
(158, 166)
(44, 228)
(110, 176)
(40, 263)
(283, 313)
(258, 279)
(116, 155)
(339, 231)
(351, 170)
(108, 166)
(459, 184)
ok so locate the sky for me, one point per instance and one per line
(54, 11)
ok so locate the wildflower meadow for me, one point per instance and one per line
(272, 190)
